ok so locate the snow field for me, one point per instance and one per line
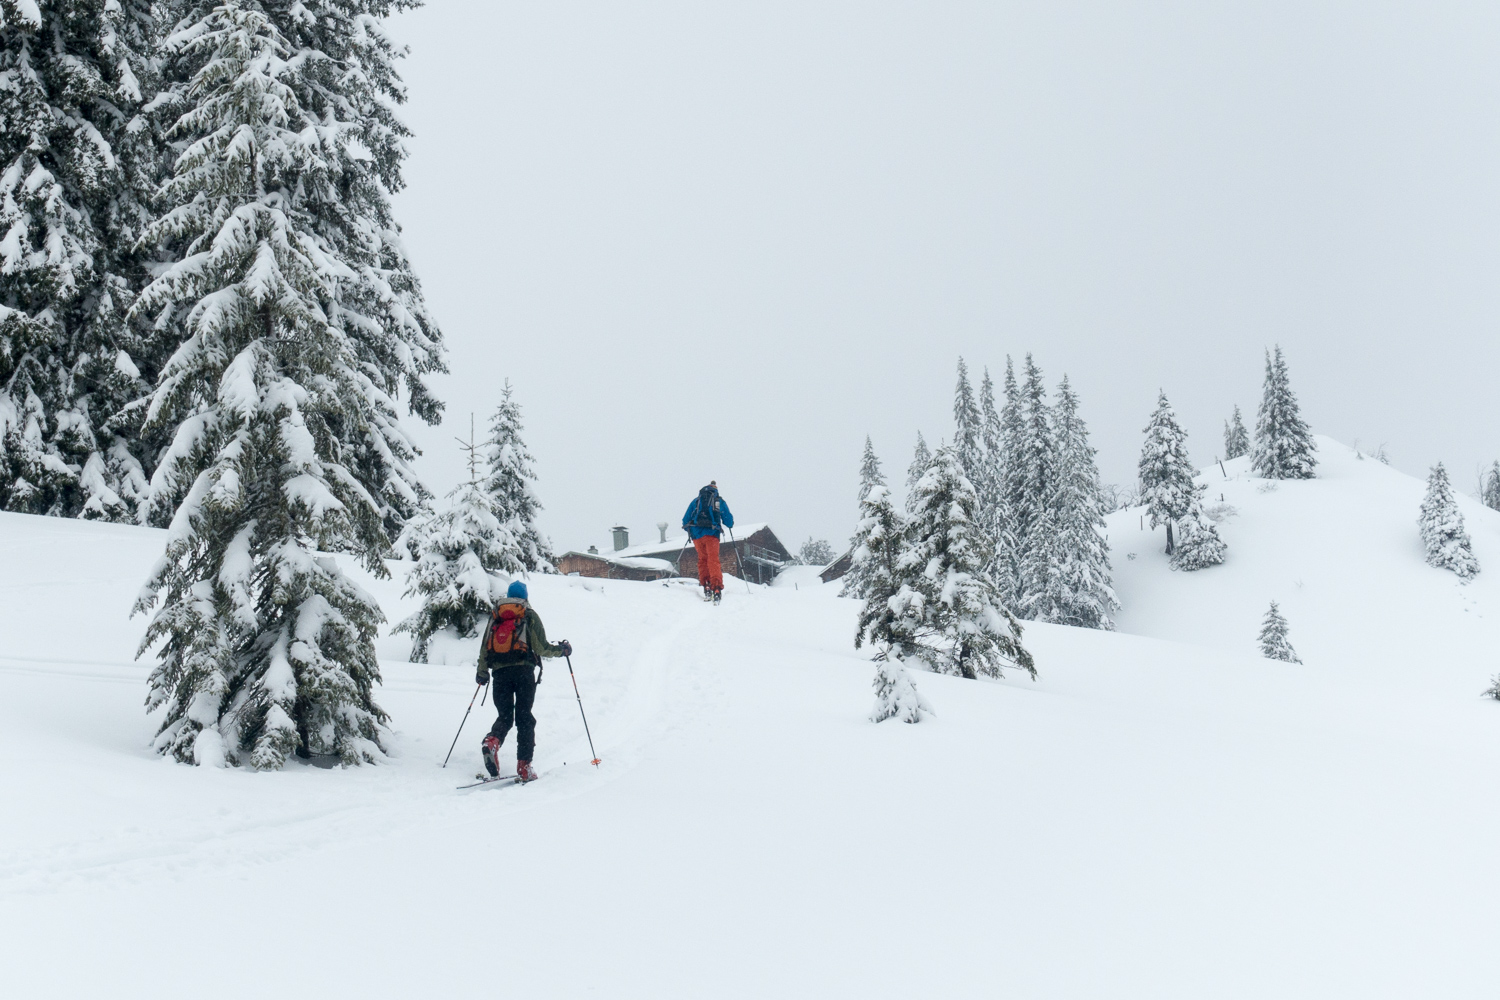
(1163, 815)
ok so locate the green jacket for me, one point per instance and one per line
(536, 643)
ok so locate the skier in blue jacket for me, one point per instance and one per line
(705, 520)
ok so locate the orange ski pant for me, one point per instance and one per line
(710, 573)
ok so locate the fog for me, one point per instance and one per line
(724, 242)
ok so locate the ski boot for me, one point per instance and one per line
(718, 596)
(489, 749)
(524, 773)
(708, 595)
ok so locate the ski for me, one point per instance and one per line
(502, 779)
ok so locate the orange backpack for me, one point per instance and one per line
(507, 634)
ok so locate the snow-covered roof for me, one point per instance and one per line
(676, 541)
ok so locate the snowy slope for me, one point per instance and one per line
(1342, 555)
(1162, 814)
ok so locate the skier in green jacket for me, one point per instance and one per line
(514, 644)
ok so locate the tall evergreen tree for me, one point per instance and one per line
(299, 321)
(1070, 567)
(78, 164)
(869, 470)
(921, 459)
(855, 580)
(873, 574)
(1166, 474)
(968, 428)
(1010, 486)
(1442, 524)
(947, 612)
(1274, 644)
(1489, 491)
(512, 476)
(1035, 459)
(990, 482)
(1236, 438)
(1284, 447)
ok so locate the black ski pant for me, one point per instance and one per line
(514, 689)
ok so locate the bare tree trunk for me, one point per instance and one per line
(1170, 545)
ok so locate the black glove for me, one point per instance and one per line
(483, 677)
(565, 646)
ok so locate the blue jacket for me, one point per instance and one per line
(721, 516)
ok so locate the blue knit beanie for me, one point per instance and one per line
(517, 589)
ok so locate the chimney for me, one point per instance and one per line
(622, 536)
(593, 550)
(662, 527)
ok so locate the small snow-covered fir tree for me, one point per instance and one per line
(510, 485)
(921, 459)
(1442, 525)
(1489, 491)
(1284, 447)
(1494, 688)
(299, 322)
(1199, 546)
(947, 612)
(466, 557)
(877, 545)
(968, 428)
(1166, 474)
(1236, 438)
(1070, 568)
(78, 165)
(1274, 644)
(896, 697)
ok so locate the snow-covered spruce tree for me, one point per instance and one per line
(1236, 438)
(1442, 524)
(467, 559)
(1284, 447)
(870, 473)
(992, 443)
(947, 612)
(1166, 474)
(816, 552)
(78, 164)
(1494, 689)
(1071, 565)
(1489, 491)
(1199, 546)
(921, 459)
(510, 485)
(299, 322)
(896, 697)
(968, 429)
(1036, 464)
(870, 477)
(1274, 644)
(1010, 488)
(878, 541)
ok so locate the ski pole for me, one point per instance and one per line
(680, 552)
(739, 560)
(461, 724)
(586, 732)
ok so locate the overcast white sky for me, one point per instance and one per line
(727, 241)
